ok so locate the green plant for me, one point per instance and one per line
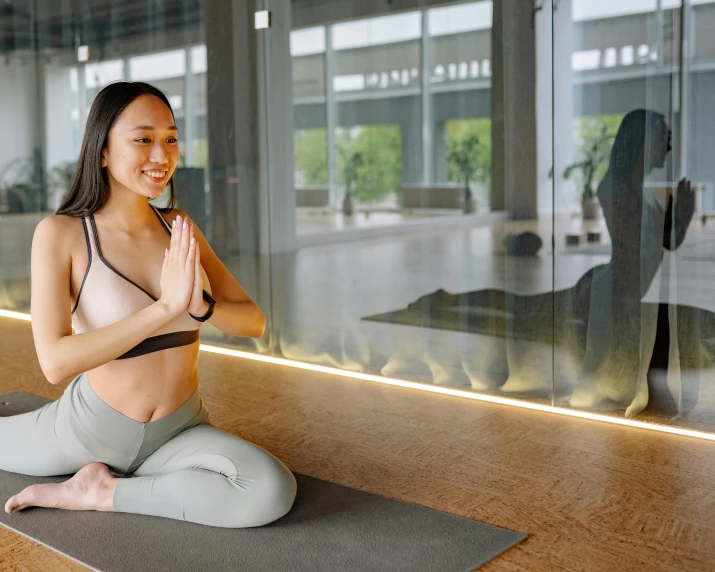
(380, 172)
(351, 167)
(21, 184)
(597, 136)
(468, 157)
(311, 157)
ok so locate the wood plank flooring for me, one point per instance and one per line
(592, 496)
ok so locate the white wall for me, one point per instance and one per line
(62, 132)
(18, 109)
(554, 107)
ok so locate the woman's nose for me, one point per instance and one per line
(159, 153)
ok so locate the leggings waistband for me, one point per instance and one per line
(176, 418)
(97, 424)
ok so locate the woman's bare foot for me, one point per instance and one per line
(92, 488)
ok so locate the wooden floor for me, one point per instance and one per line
(592, 496)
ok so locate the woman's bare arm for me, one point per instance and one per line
(61, 354)
(235, 312)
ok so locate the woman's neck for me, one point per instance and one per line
(127, 211)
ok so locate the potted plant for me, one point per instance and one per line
(23, 198)
(59, 182)
(595, 153)
(350, 174)
(466, 155)
(21, 186)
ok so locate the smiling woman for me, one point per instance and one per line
(136, 299)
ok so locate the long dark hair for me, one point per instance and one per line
(89, 190)
(635, 133)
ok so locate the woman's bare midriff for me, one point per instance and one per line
(149, 387)
(144, 388)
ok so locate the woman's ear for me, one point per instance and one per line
(103, 158)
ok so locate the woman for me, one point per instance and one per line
(131, 423)
(610, 334)
(623, 331)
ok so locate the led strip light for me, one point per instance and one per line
(434, 388)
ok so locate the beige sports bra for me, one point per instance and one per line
(107, 296)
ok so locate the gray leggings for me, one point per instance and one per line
(177, 467)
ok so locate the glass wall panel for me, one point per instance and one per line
(640, 187)
(414, 261)
(55, 60)
(472, 194)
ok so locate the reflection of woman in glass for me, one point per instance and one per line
(601, 321)
(133, 409)
(622, 330)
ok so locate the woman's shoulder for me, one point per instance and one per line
(59, 224)
(59, 230)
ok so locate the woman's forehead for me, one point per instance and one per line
(147, 111)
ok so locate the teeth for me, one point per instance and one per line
(155, 174)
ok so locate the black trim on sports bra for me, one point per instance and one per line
(89, 263)
(162, 342)
(165, 224)
(101, 257)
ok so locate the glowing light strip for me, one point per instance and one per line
(436, 389)
(16, 315)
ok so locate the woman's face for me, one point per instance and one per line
(660, 145)
(142, 147)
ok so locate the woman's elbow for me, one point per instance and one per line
(257, 326)
(52, 372)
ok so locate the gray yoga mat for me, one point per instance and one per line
(330, 527)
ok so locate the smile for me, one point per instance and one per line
(154, 175)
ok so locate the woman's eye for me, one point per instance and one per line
(143, 140)
(173, 140)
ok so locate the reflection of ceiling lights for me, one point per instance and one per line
(83, 54)
(463, 70)
(627, 58)
(609, 57)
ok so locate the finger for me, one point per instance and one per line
(198, 279)
(185, 238)
(191, 255)
(175, 236)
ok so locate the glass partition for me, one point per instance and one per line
(492, 196)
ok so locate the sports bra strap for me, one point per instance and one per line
(89, 237)
(162, 219)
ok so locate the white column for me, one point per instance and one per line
(331, 114)
(513, 102)
(554, 91)
(686, 15)
(189, 91)
(275, 126)
(426, 71)
(250, 126)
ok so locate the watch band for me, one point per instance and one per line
(209, 312)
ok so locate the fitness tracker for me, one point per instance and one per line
(209, 312)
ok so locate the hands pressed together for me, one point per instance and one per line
(681, 212)
(181, 276)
